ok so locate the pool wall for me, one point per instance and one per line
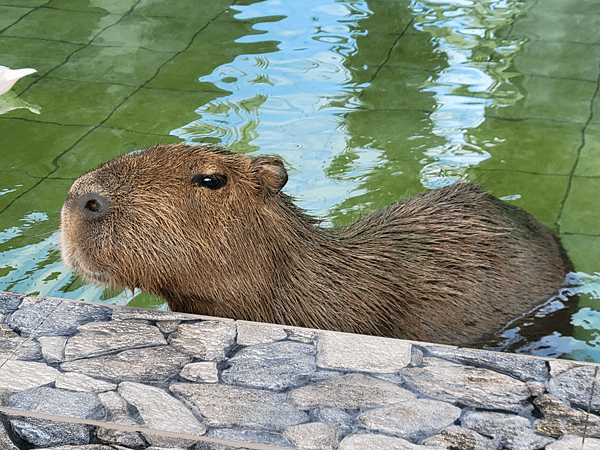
(93, 377)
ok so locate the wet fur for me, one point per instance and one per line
(448, 265)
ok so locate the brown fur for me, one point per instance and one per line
(447, 266)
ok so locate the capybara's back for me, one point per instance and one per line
(210, 231)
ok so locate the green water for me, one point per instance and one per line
(367, 102)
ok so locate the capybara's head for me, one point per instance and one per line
(152, 217)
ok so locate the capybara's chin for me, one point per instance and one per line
(211, 232)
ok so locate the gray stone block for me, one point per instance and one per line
(301, 334)
(467, 385)
(275, 366)
(101, 338)
(349, 391)
(560, 419)
(362, 353)
(575, 387)
(412, 420)
(53, 347)
(14, 346)
(167, 326)
(233, 406)
(126, 313)
(5, 442)
(43, 433)
(455, 437)
(161, 411)
(253, 334)
(335, 417)
(380, 442)
(201, 372)
(315, 435)
(9, 302)
(79, 382)
(507, 430)
(22, 375)
(52, 317)
(143, 364)
(83, 405)
(208, 340)
(83, 447)
(574, 443)
(116, 412)
(240, 435)
(525, 369)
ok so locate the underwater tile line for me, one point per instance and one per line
(153, 88)
(586, 177)
(107, 83)
(152, 50)
(525, 172)
(27, 174)
(143, 85)
(22, 17)
(549, 77)
(40, 39)
(124, 100)
(566, 41)
(568, 233)
(114, 83)
(537, 118)
(579, 150)
(68, 57)
(389, 53)
(33, 120)
(508, 37)
(53, 8)
(92, 39)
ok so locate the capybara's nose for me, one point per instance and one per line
(93, 205)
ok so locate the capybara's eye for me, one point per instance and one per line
(92, 205)
(213, 182)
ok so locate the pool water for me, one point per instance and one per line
(368, 102)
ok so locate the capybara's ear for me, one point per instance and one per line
(271, 173)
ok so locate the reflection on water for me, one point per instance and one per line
(476, 78)
(368, 102)
(290, 102)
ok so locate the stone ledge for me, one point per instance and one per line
(78, 375)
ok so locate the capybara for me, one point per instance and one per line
(211, 232)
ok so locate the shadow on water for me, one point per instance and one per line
(561, 327)
(543, 331)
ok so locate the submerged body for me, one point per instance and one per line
(211, 232)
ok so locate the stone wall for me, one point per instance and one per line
(75, 375)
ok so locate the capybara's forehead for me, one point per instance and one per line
(159, 163)
(180, 154)
(173, 159)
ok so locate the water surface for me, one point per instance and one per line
(367, 102)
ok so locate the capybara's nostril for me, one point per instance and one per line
(93, 205)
